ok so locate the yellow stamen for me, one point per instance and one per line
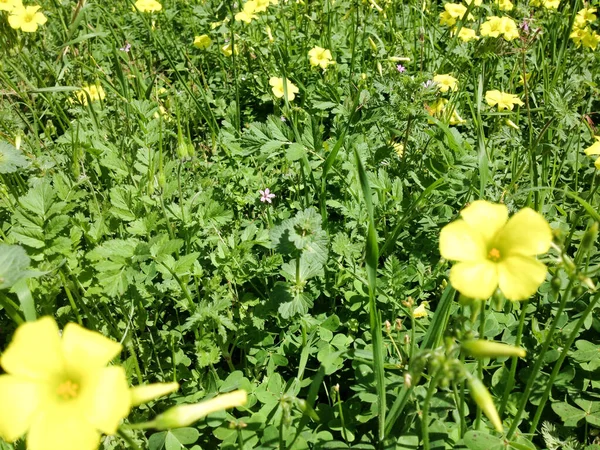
(494, 254)
(68, 390)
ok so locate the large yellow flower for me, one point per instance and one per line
(446, 82)
(58, 390)
(319, 56)
(27, 18)
(502, 99)
(9, 5)
(148, 5)
(277, 87)
(493, 251)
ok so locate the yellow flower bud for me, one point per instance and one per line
(484, 400)
(489, 349)
(185, 415)
(372, 44)
(143, 394)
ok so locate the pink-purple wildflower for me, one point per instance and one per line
(266, 195)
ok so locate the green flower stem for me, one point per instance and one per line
(70, 297)
(425, 411)
(513, 364)
(480, 360)
(560, 361)
(11, 309)
(538, 362)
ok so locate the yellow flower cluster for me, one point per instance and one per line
(493, 251)
(320, 57)
(24, 18)
(251, 8)
(582, 33)
(148, 5)
(548, 4)
(495, 26)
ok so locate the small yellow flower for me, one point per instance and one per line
(9, 5)
(502, 99)
(591, 39)
(202, 42)
(95, 92)
(398, 148)
(449, 114)
(594, 149)
(320, 57)
(446, 82)
(262, 5)
(505, 5)
(585, 16)
(277, 88)
(476, 2)
(452, 13)
(247, 14)
(148, 5)
(551, 4)
(493, 251)
(467, 34)
(495, 26)
(420, 310)
(26, 18)
(227, 50)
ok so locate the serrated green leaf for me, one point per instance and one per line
(11, 159)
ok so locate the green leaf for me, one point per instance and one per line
(478, 440)
(292, 300)
(11, 159)
(13, 264)
(568, 414)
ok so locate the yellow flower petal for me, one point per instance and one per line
(143, 394)
(33, 350)
(460, 242)
(61, 428)
(19, 400)
(485, 217)
(105, 398)
(520, 276)
(87, 350)
(478, 279)
(526, 233)
(593, 149)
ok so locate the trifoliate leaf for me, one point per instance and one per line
(11, 159)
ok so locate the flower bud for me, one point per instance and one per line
(488, 349)
(372, 44)
(143, 394)
(484, 400)
(589, 236)
(185, 415)
(379, 69)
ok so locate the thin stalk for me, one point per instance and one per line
(425, 411)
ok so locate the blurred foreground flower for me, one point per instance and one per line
(278, 91)
(94, 91)
(58, 390)
(502, 99)
(320, 57)
(493, 251)
(9, 5)
(148, 5)
(26, 18)
(202, 42)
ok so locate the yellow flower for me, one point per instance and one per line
(467, 34)
(277, 87)
(505, 5)
(228, 51)
(476, 2)
(584, 16)
(495, 26)
(58, 390)
(148, 5)
(9, 5)
(247, 14)
(551, 4)
(27, 18)
(502, 99)
(452, 13)
(591, 39)
(202, 42)
(320, 57)
(493, 251)
(262, 5)
(440, 110)
(594, 149)
(95, 92)
(398, 148)
(446, 82)
(420, 310)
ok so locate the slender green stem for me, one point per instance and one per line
(127, 439)
(510, 382)
(425, 411)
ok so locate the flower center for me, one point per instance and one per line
(67, 390)
(28, 17)
(494, 254)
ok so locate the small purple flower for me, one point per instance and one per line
(525, 26)
(126, 47)
(266, 195)
(401, 68)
